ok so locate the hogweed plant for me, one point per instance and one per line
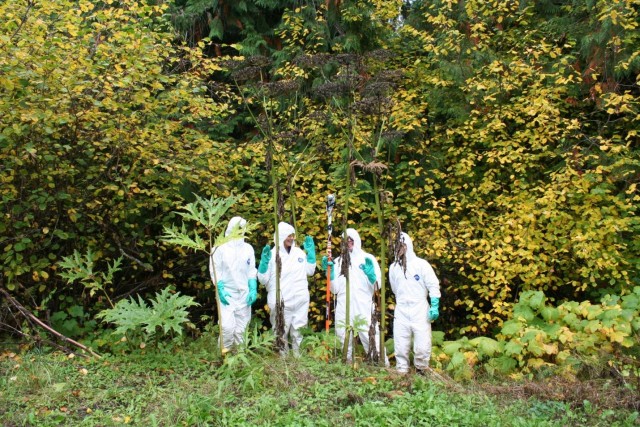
(352, 329)
(272, 100)
(165, 317)
(80, 268)
(135, 319)
(360, 105)
(206, 215)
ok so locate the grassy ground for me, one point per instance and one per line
(192, 387)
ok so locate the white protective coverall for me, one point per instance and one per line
(235, 264)
(412, 309)
(360, 293)
(294, 286)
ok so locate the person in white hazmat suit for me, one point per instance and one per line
(413, 315)
(296, 266)
(364, 279)
(235, 267)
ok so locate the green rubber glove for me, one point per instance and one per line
(265, 257)
(325, 263)
(253, 291)
(310, 249)
(433, 310)
(222, 293)
(368, 269)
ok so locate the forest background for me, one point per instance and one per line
(502, 135)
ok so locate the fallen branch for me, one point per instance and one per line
(43, 325)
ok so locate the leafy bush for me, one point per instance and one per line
(570, 339)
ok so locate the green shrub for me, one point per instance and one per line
(571, 339)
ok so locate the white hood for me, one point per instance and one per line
(235, 222)
(410, 254)
(284, 231)
(357, 242)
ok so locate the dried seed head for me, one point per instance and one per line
(347, 58)
(378, 89)
(281, 87)
(391, 76)
(372, 106)
(311, 61)
(331, 89)
(258, 61)
(366, 106)
(246, 73)
(230, 64)
(375, 168)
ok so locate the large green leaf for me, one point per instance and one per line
(487, 346)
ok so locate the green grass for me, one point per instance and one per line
(191, 387)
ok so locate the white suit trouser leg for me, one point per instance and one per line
(295, 319)
(235, 318)
(407, 323)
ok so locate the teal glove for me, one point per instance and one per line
(325, 263)
(253, 291)
(368, 269)
(264, 259)
(222, 293)
(310, 249)
(433, 311)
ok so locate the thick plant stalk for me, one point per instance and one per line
(279, 326)
(346, 264)
(217, 294)
(383, 267)
(293, 200)
(207, 213)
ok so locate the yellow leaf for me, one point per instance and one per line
(617, 336)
